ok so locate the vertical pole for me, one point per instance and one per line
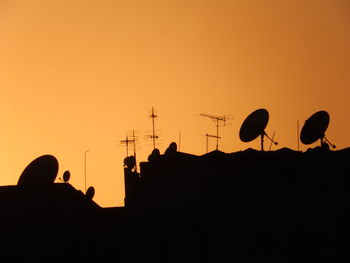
(179, 140)
(271, 140)
(207, 142)
(153, 136)
(85, 167)
(133, 135)
(262, 142)
(217, 134)
(127, 145)
(298, 135)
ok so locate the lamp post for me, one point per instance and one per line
(85, 167)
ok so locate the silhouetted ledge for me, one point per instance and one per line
(57, 200)
(180, 179)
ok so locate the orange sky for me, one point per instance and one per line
(78, 75)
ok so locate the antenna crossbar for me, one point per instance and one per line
(220, 121)
(210, 136)
(213, 136)
(127, 142)
(216, 119)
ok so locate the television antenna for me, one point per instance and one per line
(153, 136)
(207, 139)
(219, 121)
(128, 141)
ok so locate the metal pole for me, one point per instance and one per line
(134, 139)
(207, 142)
(179, 141)
(271, 140)
(298, 135)
(85, 167)
(217, 134)
(153, 136)
(127, 146)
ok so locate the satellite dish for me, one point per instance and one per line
(41, 171)
(254, 126)
(172, 148)
(130, 162)
(90, 192)
(155, 155)
(314, 128)
(66, 176)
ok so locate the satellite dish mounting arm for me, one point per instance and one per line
(262, 140)
(331, 144)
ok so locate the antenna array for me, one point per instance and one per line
(212, 136)
(153, 136)
(127, 142)
(220, 121)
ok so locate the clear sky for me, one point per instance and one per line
(81, 75)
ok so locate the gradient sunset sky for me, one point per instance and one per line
(81, 75)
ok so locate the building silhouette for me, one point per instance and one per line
(250, 205)
(281, 205)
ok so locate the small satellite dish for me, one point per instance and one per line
(172, 148)
(314, 128)
(155, 155)
(41, 171)
(130, 162)
(66, 176)
(90, 192)
(254, 126)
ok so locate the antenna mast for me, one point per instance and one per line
(128, 141)
(153, 136)
(134, 140)
(213, 136)
(220, 121)
(298, 134)
(179, 140)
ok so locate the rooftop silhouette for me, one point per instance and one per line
(250, 205)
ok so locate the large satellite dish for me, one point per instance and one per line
(254, 126)
(41, 171)
(314, 128)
